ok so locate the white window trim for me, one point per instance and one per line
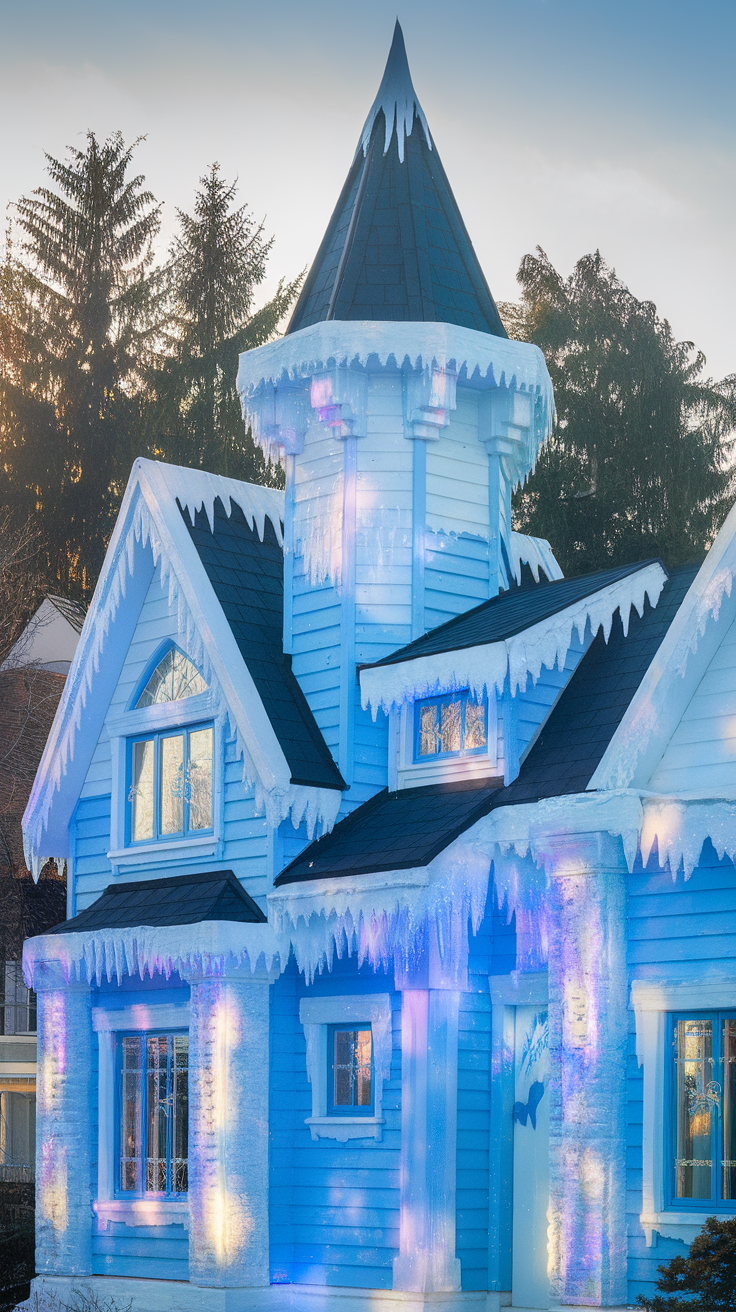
(652, 1001)
(106, 1023)
(316, 1014)
(410, 773)
(169, 715)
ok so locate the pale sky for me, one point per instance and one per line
(572, 124)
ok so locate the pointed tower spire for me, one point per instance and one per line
(396, 247)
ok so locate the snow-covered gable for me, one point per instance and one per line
(151, 533)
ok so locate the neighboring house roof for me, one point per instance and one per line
(409, 828)
(508, 614)
(396, 247)
(247, 575)
(50, 637)
(180, 900)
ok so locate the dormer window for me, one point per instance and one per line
(174, 678)
(455, 725)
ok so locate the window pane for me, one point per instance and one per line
(363, 1092)
(141, 791)
(173, 678)
(180, 1095)
(352, 1081)
(428, 742)
(343, 1068)
(697, 1097)
(159, 1106)
(475, 725)
(728, 1147)
(172, 785)
(130, 1115)
(451, 726)
(200, 779)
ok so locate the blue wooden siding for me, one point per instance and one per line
(456, 575)
(457, 474)
(334, 1208)
(680, 930)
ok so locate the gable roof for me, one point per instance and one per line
(509, 613)
(179, 900)
(151, 532)
(396, 247)
(247, 576)
(408, 829)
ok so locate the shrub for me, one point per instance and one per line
(705, 1281)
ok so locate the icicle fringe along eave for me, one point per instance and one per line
(195, 490)
(485, 668)
(537, 554)
(481, 361)
(207, 948)
(137, 528)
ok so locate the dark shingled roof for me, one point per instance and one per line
(508, 614)
(396, 831)
(396, 247)
(248, 578)
(180, 900)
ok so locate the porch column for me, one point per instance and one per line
(429, 1033)
(63, 1124)
(228, 1129)
(588, 1043)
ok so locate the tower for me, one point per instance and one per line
(404, 416)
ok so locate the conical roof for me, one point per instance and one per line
(396, 247)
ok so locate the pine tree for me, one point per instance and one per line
(638, 464)
(705, 1280)
(78, 315)
(217, 260)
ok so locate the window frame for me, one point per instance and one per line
(464, 753)
(714, 1203)
(119, 1194)
(157, 736)
(345, 1109)
(160, 653)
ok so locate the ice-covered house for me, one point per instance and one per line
(399, 968)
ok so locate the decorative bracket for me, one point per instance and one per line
(280, 418)
(339, 397)
(505, 418)
(429, 396)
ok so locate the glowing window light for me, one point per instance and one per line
(453, 725)
(174, 678)
(154, 1114)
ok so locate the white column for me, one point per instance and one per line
(588, 1043)
(63, 1125)
(429, 1032)
(228, 1130)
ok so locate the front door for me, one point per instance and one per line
(530, 1282)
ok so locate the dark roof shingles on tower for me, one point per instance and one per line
(396, 247)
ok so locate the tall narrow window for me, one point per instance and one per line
(170, 788)
(351, 1070)
(154, 1114)
(455, 725)
(704, 1108)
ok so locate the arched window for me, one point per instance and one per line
(173, 679)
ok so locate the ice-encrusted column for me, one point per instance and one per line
(429, 1037)
(587, 1016)
(63, 1124)
(228, 1129)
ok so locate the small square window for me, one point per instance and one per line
(350, 1074)
(450, 726)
